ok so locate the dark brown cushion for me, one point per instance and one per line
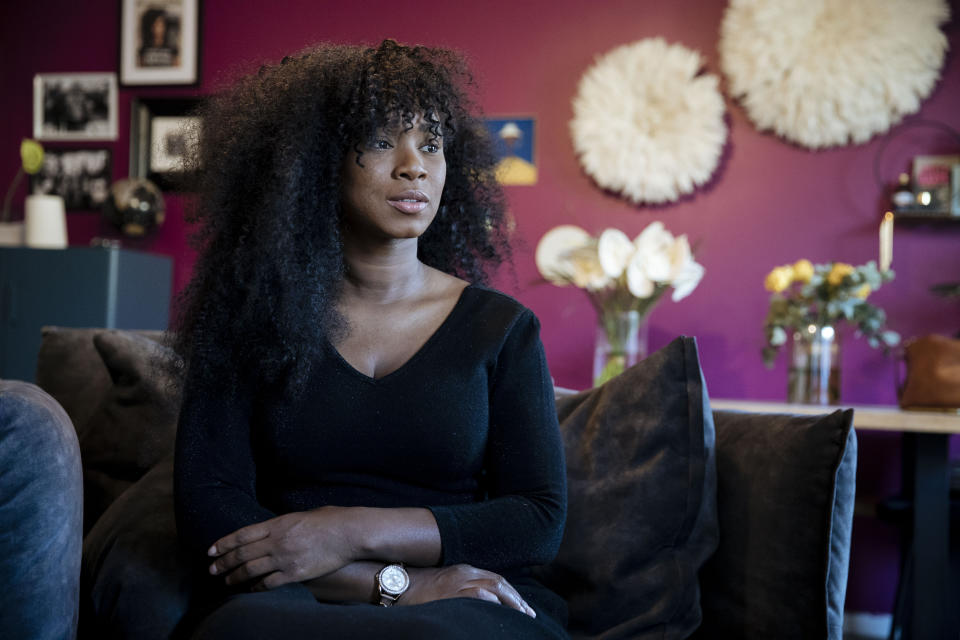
(136, 581)
(642, 507)
(785, 496)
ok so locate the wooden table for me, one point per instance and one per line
(926, 477)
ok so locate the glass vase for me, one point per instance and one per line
(814, 376)
(621, 343)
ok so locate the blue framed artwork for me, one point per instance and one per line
(515, 139)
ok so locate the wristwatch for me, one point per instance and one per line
(392, 582)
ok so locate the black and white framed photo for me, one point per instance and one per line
(75, 106)
(159, 42)
(82, 177)
(164, 134)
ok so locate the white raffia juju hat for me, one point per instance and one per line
(646, 123)
(827, 72)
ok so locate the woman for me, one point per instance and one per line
(360, 423)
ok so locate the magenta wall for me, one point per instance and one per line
(770, 202)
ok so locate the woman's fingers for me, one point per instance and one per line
(495, 588)
(272, 581)
(480, 593)
(252, 569)
(240, 555)
(238, 538)
(509, 596)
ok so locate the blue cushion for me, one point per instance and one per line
(41, 515)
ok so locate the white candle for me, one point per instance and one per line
(886, 241)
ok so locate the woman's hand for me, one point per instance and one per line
(290, 548)
(462, 581)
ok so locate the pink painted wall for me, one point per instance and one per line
(769, 203)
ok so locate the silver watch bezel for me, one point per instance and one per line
(386, 593)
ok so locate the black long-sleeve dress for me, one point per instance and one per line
(466, 428)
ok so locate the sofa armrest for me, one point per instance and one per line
(785, 493)
(41, 515)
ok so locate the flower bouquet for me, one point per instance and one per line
(810, 301)
(623, 279)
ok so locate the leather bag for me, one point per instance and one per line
(933, 373)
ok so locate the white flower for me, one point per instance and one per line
(687, 280)
(614, 250)
(654, 260)
(685, 273)
(680, 255)
(584, 268)
(653, 253)
(638, 282)
(654, 239)
(553, 252)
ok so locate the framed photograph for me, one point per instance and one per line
(159, 42)
(955, 187)
(82, 177)
(164, 135)
(931, 181)
(75, 106)
(515, 142)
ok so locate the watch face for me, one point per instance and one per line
(394, 580)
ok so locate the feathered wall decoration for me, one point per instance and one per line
(829, 72)
(647, 123)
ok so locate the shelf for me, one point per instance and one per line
(921, 217)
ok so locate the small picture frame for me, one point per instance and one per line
(514, 138)
(164, 134)
(82, 177)
(75, 106)
(159, 42)
(955, 190)
(931, 181)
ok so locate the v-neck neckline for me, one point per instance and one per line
(417, 354)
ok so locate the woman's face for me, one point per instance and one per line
(396, 193)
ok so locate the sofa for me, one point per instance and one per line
(683, 522)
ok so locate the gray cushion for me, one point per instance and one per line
(642, 507)
(40, 515)
(134, 425)
(785, 495)
(70, 370)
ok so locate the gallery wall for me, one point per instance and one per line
(769, 203)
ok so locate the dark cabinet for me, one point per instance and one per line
(76, 287)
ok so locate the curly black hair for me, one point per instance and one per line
(272, 149)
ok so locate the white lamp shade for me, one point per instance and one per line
(45, 222)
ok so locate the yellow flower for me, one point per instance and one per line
(863, 292)
(779, 279)
(803, 271)
(31, 152)
(839, 271)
